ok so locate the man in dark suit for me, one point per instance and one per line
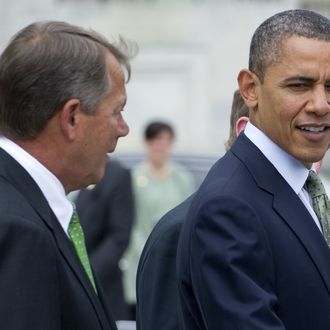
(252, 254)
(156, 286)
(106, 214)
(62, 90)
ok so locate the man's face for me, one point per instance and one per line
(100, 132)
(293, 101)
(159, 148)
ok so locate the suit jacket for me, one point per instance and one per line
(43, 284)
(106, 214)
(156, 286)
(250, 255)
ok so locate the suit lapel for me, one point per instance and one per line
(295, 214)
(286, 204)
(13, 172)
(68, 252)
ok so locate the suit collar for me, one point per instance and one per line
(293, 171)
(47, 182)
(14, 173)
(286, 203)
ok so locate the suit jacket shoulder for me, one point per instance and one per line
(249, 236)
(41, 274)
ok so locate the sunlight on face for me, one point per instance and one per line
(100, 132)
(293, 101)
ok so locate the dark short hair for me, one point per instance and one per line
(238, 109)
(155, 128)
(45, 65)
(266, 43)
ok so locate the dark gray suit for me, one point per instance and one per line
(106, 214)
(42, 282)
(156, 286)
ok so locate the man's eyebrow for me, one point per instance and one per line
(121, 104)
(300, 79)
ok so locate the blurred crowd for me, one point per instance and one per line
(127, 204)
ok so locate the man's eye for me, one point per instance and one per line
(298, 86)
(117, 113)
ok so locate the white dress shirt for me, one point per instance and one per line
(293, 171)
(48, 183)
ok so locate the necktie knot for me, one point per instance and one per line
(74, 219)
(314, 185)
(320, 201)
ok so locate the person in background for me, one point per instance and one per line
(254, 253)
(159, 184)
(156, 286)
(62, 93)
(106, 212)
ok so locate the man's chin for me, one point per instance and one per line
(97, 177)
(101, 172)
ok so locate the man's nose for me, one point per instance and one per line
(123, 128)
(320, 102)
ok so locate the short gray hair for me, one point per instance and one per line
(45, 65)
(266, 43)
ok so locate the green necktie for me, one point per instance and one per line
(321, 204)
(78, 239)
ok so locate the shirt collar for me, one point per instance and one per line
(48, 183)
(293, 171)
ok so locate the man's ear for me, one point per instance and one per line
(240, 124)
(248, 83)
(68, 117)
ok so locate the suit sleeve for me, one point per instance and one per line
(28, 277)
(120, 206)
(232, 269)
(156, 282)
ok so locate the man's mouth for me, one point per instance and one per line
(314, 129)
